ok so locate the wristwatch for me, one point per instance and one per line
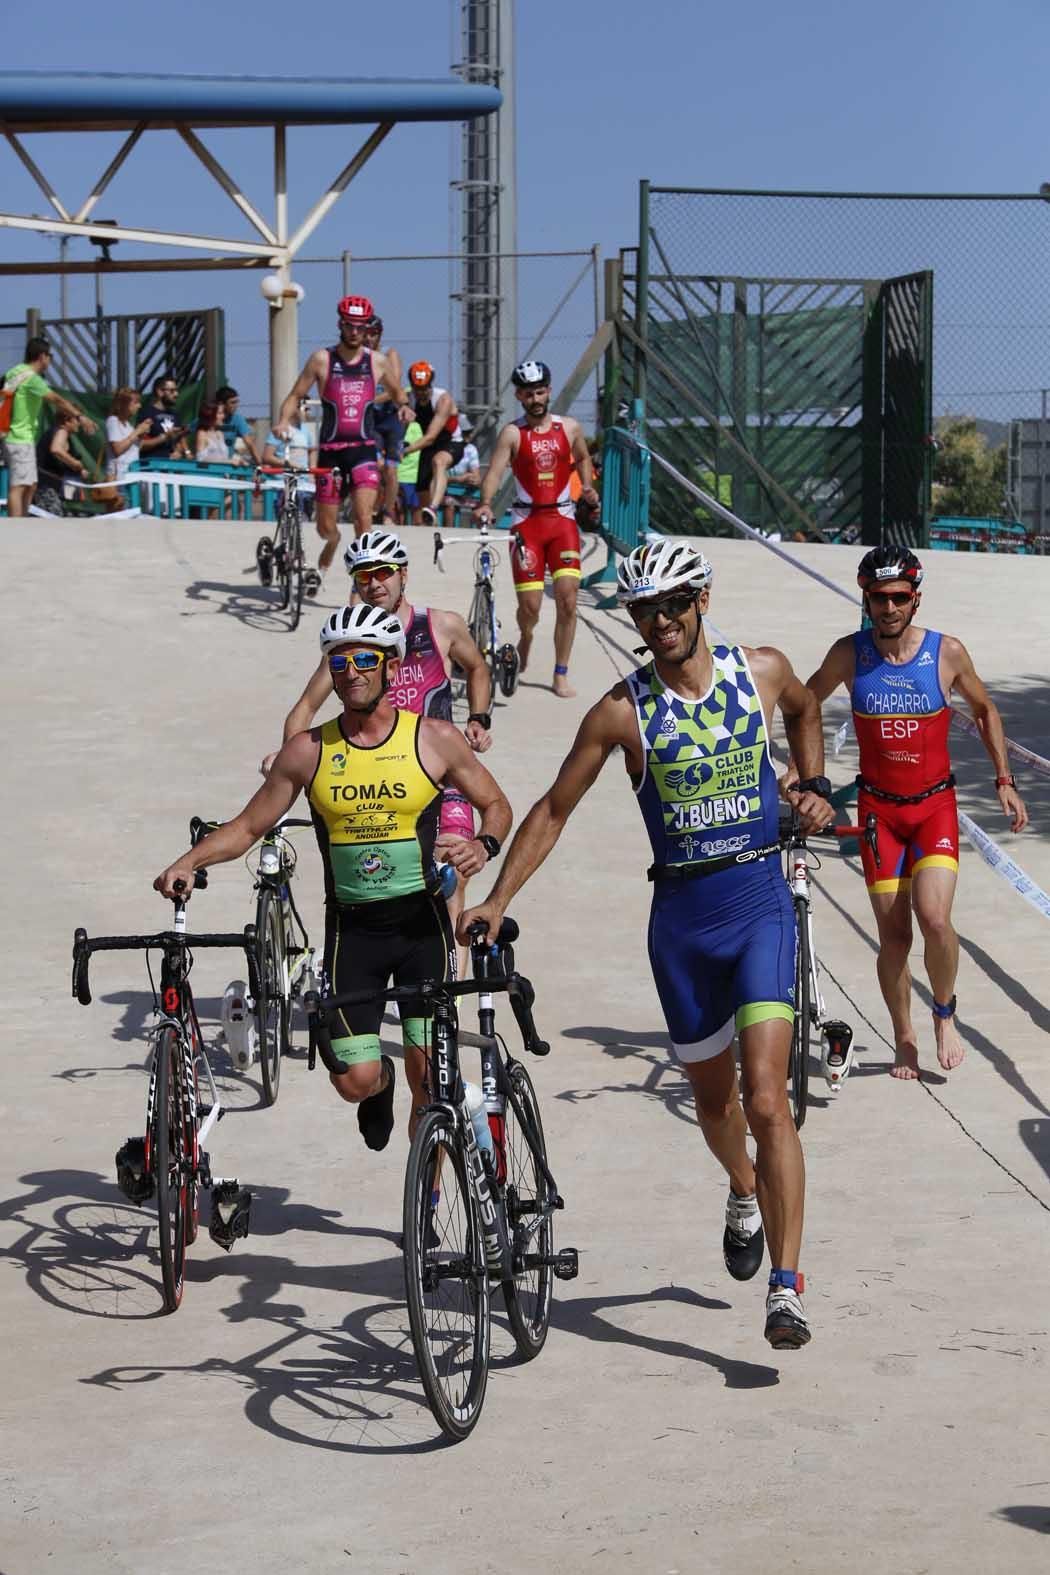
(1005, 782)
(489, 843)
(484, 717)
(819, 785)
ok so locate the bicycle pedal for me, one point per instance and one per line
(230, 1213)
(133, 1179)
(566, 1264)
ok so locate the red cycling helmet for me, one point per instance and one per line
(357, 308)
(420, 374)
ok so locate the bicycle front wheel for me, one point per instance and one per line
(801, 1030)
(479, 621)
(446, 1280)
(272, 1006)
(294, 540)
(526, 1194)
(172, 1164)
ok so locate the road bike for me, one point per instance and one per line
(286, 965)
(476, 1213)
(484, 625)
(810, 1010)
(170, 1160)
(280, 556)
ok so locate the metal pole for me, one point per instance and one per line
(346, 273)
(506, 324)
(641, 305)
(284, 318)
(63, 283)
(595, 261)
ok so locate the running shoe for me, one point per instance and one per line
(428, 516)
(375, 1115)
(264, 560)
(836, 1054)
(786, 1326)
(312, 581)
(743, 1243)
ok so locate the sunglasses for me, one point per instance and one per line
(381, 573)
(891, 598)
(670, 606)
(360, 661)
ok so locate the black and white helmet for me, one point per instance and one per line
(531, 374)
(375, 546)
(364, 625)
(889, 563)
(660, 566)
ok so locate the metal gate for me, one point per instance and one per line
(898, 412)
(104, 353)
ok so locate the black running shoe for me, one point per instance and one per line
(742, 1248)
(786, 1326)
(311, 581)
(375, 1115)
(264, 560)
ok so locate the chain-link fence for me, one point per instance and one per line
(803, 346)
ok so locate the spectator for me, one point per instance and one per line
(57, 465)
(209, 442)
(235, 428)
(298, 449)
(123, 433)
(31, 393)
(408, 477)
(165, 440)
(467, 473)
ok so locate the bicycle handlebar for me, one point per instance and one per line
(83, 947)
(869, 833)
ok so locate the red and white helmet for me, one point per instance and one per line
(357, 309)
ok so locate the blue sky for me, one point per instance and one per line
(933, 96)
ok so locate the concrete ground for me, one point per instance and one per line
(276, 1422)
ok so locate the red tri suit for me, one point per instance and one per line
(901, 717)
(543, 521)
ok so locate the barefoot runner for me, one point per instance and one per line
(900, 678)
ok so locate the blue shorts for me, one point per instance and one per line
(409, 494)
(389, 438)
(722, 951)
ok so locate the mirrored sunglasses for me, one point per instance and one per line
(360, 661)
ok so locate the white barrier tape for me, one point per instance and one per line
(164, 478)
(1018, 751)
(1003, 865)
(118, 514)
(840, 738)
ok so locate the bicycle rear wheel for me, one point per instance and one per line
(526, 1194)
(446, 1280)
(272, 1007)
(801, 1030)
(295, 572)
(172, 1164)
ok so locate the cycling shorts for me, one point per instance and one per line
(722, 953)
(912, 837)
(404, 939)
(355, 465)
(545, 540)
(444, 443)
(390, 434)
(457, 815)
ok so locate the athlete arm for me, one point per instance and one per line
(985, 712)
(464, 772)
(289, 774)
(835, 669)
(304, 710)
(502, 455)
(444, 410)
(584, 464)
(390, 374)
(779, 685)
(315, 371)
(464, 652)
(606, 724)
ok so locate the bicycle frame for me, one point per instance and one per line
(297, 960)
(799, 883)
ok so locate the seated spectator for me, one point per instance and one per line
(408, 477)
(299, 449)
(57, 465)
(209, 444)
(467, 472)
(123, 433)
(240, 445)
(165, 440)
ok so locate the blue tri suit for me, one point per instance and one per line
(722, 946)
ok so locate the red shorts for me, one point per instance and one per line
(353, 465)
(912, 837)
(546, 540)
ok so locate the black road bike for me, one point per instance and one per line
(473, 1217)
(280, 557)
(170, 1160)
(485, 630)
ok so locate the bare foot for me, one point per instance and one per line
(906, 1062)
(524, 647)
(949, 1046)
(562, 687)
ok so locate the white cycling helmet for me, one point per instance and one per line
(660, 566)
(364, 625)
(375, 546)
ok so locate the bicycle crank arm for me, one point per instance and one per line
(566, 1263)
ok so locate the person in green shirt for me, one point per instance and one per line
(408, 477)
(31, 394)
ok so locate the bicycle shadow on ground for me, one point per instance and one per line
(256, 606)
(1035, 1135)
(1030, 1517)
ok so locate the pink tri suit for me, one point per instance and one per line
(422, 686)
(901, 717)
(348, 436)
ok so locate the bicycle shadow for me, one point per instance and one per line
(256, 606)
(1030, 1517)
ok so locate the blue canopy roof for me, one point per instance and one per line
(116, 101)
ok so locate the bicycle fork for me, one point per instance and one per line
(494, 1239)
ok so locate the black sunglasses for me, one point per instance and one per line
(672, 606)
(891, 598)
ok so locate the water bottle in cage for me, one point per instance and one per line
(495, 1114)
(478, 1120)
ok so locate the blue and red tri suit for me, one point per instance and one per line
(901, 717)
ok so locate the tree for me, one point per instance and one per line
(969, 478)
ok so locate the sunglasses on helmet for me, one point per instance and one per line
(360, 661)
